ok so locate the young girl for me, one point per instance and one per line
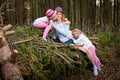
(86, 45)
(45, 22)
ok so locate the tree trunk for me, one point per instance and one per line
(115, 18)
(8, 70)
(92, 15)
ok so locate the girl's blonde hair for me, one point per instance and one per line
(77, 30)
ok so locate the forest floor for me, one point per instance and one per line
(110, 70)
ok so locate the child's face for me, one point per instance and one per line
(76, 35)
(54, 17)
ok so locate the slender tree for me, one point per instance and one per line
(115, 19)
(80, 15)
(52, 5)
(92, 15)
(106, 14)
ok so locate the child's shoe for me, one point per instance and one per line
(95, 72)
(44, 39)
(99, 68)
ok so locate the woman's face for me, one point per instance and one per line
(59, 15)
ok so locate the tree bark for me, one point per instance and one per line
(8, 70)
(115, 18)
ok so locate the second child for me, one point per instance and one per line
(45, 22)
(79, 38)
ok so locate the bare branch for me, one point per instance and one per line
(3, 5)
(4, 8)
(7, 11)
(63, 58)
(9, 33)
(1, 17)
(70, 59)
(5, 28)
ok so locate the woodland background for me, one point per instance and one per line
(40, 60)
(90, 15)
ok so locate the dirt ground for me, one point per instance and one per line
(110, 70)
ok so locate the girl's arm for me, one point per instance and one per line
(77, 42)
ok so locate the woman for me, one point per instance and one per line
(61, 26)
(45, 22)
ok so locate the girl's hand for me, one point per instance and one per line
(81, 44)
(70, 37)
(66, 21)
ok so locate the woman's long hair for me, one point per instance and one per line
(63, 17)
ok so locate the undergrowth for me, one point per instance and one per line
(40, 60)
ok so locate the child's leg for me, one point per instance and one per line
(45, 26)
(46, 31)
(97, 61)
(89, 55)
(40, 25)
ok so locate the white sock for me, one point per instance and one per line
(95, 72)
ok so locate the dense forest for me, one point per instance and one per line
(49, 60)
(85, 14)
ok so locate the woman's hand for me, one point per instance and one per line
(54, 26)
